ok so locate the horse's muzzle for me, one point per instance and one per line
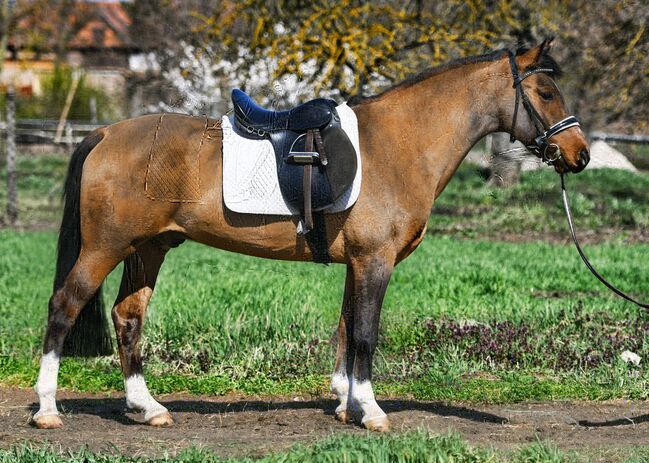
(582, 162)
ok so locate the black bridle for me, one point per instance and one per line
(548, 152)
(551, 154)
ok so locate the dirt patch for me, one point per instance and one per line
(235, 425)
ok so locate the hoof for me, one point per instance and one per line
(161, 420)
(47, 422)
(344, 417)
(377, 424)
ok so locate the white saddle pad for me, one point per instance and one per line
(250, 182)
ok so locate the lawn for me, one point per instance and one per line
(412, 447)
(508, 315)
(469, 320)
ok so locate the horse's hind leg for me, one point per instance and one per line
(371, 278)
(345, 352)
(79, 287)
(138, 280)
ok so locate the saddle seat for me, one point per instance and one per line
(316, 161)
(312, 114)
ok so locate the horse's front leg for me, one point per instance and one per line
(340, 379)
(371, 276)
(138, 280)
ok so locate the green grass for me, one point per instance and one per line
(470, 320)
(40, 186)
(221, 322)
(613, 201)
(410, 447)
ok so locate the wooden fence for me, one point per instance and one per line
(25, 132)
(44, 132)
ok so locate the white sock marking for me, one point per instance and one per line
(139, 397)
(363, 396)
(46, 385)
(340, 387)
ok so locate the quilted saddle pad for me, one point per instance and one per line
(250, 183)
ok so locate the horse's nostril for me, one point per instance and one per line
(584, 157)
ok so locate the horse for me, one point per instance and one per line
(413, 137)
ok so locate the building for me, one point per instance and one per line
(99, 44)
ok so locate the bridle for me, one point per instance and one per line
(548, 152)
(551, 154)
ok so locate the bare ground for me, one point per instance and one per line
(236, 425)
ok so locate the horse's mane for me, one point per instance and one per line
(545, 61)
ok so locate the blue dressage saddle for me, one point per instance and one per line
(316, 161)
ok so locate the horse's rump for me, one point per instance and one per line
(173, 167)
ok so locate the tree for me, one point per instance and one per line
(609, 78)
(352, 46)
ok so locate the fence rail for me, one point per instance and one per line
(43, 131)
(620, 138)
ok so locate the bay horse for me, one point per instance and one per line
(412, 139)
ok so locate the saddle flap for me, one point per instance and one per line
(342, 163)
(328, 182)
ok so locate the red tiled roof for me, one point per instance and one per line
(107, 29)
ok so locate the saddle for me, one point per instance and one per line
(316, 161)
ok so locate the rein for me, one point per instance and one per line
(610, 286)
(550, 154)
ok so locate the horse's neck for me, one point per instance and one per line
(435, 122)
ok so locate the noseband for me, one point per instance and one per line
(548, 152)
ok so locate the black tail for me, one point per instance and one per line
(89, 336)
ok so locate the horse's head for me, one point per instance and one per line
(539, 115)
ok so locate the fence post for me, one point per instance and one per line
(12, 195)
(93, 110)
(76, 76)
(69, 140)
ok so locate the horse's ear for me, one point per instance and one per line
(545, 46)
(533, 55)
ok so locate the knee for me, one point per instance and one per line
(128, 329)
(127, 326)
(364, 343)
(58, 320)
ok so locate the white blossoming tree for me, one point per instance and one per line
(203, 82)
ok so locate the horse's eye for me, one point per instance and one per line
(547, 96)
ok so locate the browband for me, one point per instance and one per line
(520, 79)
